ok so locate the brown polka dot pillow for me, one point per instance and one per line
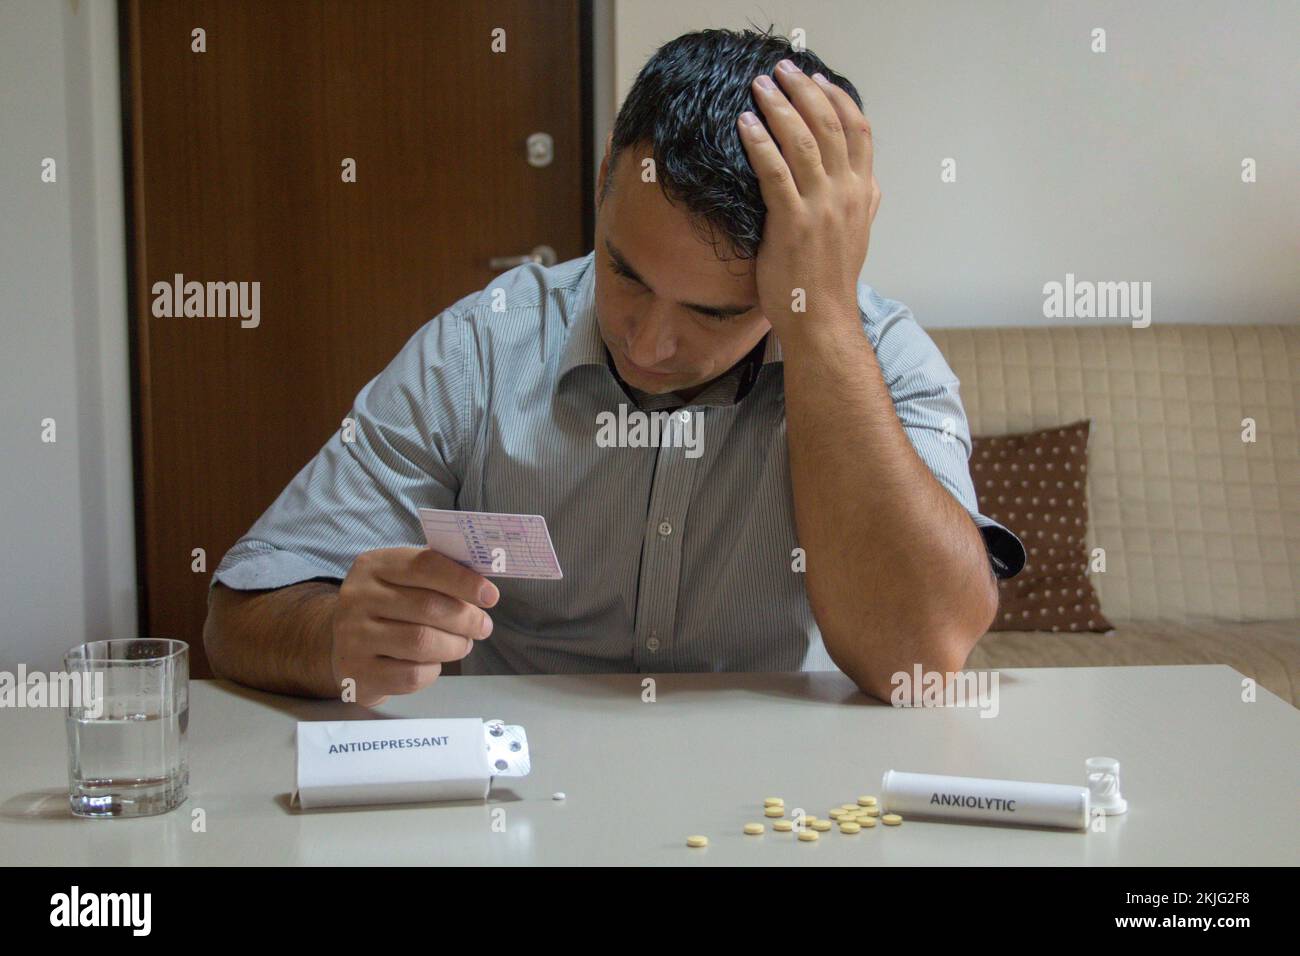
(1036, 484)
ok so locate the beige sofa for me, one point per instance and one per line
(1201, 529)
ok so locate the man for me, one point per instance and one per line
(819, 514)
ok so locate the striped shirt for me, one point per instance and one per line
(675, 558)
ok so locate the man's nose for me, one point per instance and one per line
(651, 341)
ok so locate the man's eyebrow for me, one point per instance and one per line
(724, 311)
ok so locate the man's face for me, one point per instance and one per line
(672, 315)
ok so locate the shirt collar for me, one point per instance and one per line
(584, 346)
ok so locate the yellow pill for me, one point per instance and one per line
(867, 822)
(891, 819)
(848, 826)
(866, 801)
(774, 812)
(808, 836)
(773, 801)
(821, 826)
(872, 811)
(753, 829)
(697, 841)
(849, 806)
(783, 826)
(836, 813)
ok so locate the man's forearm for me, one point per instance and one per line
(278, 640)
(897, 572)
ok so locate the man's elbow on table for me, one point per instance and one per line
(941, 646)
(274, 640)
(216, 631)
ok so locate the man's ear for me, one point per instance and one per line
(604, 169)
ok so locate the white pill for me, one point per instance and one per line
(558, 795)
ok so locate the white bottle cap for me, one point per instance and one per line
(1103, 786)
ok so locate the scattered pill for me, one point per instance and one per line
(849, 806)
(891, 819)
(697, 841)
(808, 836)
(753, 829)
(872, 811)
(866, 801)
(836, 813)
(849, 826)
(558, 795)
(821, 826)
(774, 812)
(783, 826)
(867, 822)
(773, 802)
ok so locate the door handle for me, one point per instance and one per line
(542, 255)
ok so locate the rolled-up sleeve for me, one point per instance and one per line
(360, 492)
(926, 396)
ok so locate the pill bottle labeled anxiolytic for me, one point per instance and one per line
(1007, 802)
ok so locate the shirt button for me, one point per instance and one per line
(652, 644)
(665, 528)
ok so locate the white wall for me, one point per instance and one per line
(67, 565)
(1116, 166)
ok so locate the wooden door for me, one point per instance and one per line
(237, 173)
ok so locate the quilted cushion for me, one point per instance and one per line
(1194, 520)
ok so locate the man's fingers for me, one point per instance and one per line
(819, 114)
(425, 568)
(395, 602)
(774, 179)
(856, 128)
(797, 143)
(415, 643)
(398, 677)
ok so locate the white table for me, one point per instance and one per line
(1210, 780)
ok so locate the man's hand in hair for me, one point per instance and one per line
(821, 197)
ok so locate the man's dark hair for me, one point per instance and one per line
(685, 103)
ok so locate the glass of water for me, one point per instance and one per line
(127, 717)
